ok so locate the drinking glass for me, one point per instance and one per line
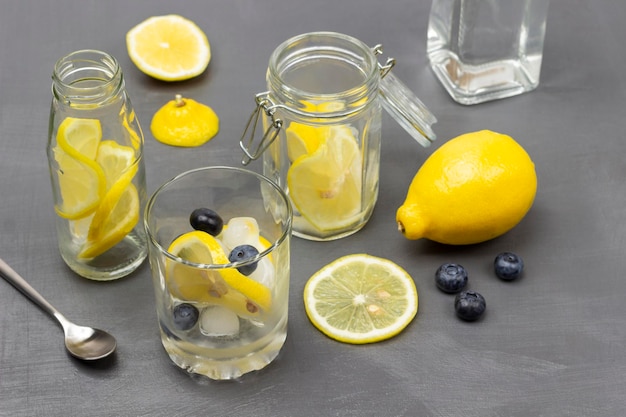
(219, 318)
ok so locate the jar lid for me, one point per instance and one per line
(404, 106)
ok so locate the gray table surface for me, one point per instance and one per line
(551, 344)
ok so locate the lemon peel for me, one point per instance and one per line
(184, 122)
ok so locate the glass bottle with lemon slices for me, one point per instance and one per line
(95, 147)
(321, 135)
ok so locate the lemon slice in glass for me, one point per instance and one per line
(325, 186)
(168, 48)
(226, 287)
(360, 299)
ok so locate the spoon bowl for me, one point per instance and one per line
(85, 343)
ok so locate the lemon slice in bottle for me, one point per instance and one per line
(168, 48)
(118, 211)
(80, 179)
(79, 137)
(325, 186)
(115, 217)
(361, 299)
(226, 287)
(116, 160)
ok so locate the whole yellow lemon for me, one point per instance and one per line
(475, 187)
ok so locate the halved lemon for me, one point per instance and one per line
(325, 186)
(360, 299)
(169, 48)
(115, 217)
(225, 287)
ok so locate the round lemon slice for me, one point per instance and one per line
(226, 287)
(79, 137)
(115, 217)
(169, 48)
(80, 179)
(116, 160)
(304, 139)
(81, 185)
(325, 186)
(360, 299)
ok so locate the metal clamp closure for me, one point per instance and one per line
(263, 102)
(384, 69)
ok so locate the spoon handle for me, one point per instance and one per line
(20, 283)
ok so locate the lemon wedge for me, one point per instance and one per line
(361, 299)
(325, 186)
(226, 287)
(169, 48)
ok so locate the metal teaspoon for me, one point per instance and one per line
(82, 342)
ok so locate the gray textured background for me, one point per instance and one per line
(551, 344)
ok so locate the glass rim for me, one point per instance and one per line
(286, 232)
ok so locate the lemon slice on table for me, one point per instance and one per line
(169, 48)
(226, 287)
(325, 186)
(115, 217)
(360, 299)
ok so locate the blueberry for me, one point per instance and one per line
(451, 278)
(206, 220)
(185, 316)
(469, 305)
(241, 253)
(508, 266)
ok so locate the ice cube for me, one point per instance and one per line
(241, 231)
(219, 321)
(264, 272)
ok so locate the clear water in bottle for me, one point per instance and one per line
(483, 50)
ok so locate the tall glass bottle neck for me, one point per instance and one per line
(87, 78)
